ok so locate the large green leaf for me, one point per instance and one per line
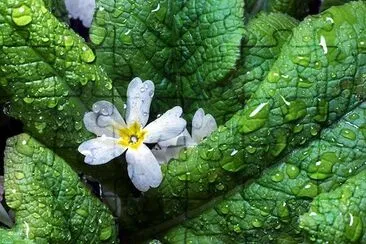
(186, 47)
(269, 208)
(308, 88)
(50, 76)
(51, 204)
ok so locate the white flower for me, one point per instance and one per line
(115, 136)
(4, 216)
(202, 126)
(81, 9)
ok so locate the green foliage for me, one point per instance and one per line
(50, 202)
(305, 91)
(186, 48)
(297, 9)
(269, 208)
(287, 159)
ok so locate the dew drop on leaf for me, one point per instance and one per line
(22, 16)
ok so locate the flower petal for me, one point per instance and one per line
(183, 139)
(104, 120)
(202, 125)
(4, 217)
(167, 126)
(165, 154)
(100, 150)
(143, 168)
(139, 96)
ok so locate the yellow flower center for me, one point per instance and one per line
(131, 137)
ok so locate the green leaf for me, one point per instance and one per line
(265, 35)
(12, 237)
(297, 9)
(51, 204)
(326, 85)
(186, 47)
(339, 215)
(329, 3)
(50, 76)
(269, 208)
(58, 8)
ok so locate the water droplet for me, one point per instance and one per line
(282, 210)
(19, 175)
(105, 233)
(78, 125)
(22, 16)
(308, 190)
(301, 60)
(292, 171)
(295, 110)
(314, 130)
(323, 44)
(349, 134)
(87, 55)
(68, 41)
(126, 38)
(298, 128)
(220, 186)
(185, 177)
(224, 208)
(51, 103)
(277, 177)
(108, 85)
(257, 223)
(322, 169)
(255, 118)
(304, 83)
(82, 212)
(234, 152)
(28, 99)
(353, 116)
(40, 126)
(273, 76)
(250, 149)
(354, 229)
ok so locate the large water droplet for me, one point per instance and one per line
(19, 175)
(292, 171)
(255, 118)
(349, 134)
(308, 190)
(257, 223)
(68, 41)
(22, 16)
(105, 233)
(87, 55)
(301, 60)
(277, 177)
